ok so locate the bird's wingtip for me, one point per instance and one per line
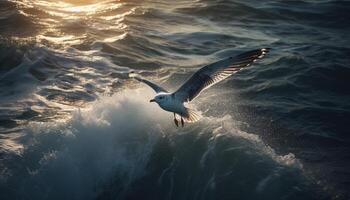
(264, 51)
(132, 74)
(267, 49)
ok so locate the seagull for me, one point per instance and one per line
(204, 78)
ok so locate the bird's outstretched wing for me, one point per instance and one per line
(216, 72)
(154, 86)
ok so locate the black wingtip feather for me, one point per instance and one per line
(263, 52)
(254, 54)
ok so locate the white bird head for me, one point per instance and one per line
(160, 98)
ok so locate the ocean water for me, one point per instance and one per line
(73, 125)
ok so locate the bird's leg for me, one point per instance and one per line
(175, 120)
(182, 122)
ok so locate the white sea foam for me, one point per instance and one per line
(113, 138)
(229, 125)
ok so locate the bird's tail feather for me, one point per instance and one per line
(191, 115)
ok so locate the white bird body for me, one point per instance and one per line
(199, 81)
(168, 102)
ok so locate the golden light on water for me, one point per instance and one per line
(71, 22)
(61, 31)
(71, 10)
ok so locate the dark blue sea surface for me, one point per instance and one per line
(74, 125)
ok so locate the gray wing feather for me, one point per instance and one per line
(154, 86)
(216, 72)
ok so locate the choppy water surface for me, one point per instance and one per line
(74, 126)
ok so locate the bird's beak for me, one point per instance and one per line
(152, 100)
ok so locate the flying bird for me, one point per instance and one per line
(204, 78)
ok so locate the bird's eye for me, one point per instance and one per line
(160, 97)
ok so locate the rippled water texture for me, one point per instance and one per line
(73, 125)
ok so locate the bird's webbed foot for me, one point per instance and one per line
(175, 121)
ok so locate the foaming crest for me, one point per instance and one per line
(112, 138)
(228, 127)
